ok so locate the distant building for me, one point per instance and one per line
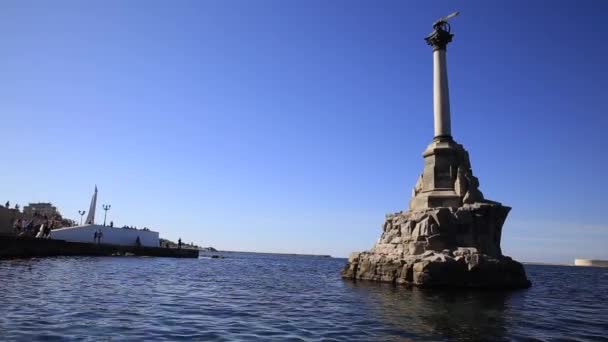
(590, 262)
(41, 209)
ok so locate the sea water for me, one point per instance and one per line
(282, 298)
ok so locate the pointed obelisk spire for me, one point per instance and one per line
(91, 216)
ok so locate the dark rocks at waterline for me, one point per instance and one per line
(123, 254)
(464, 267)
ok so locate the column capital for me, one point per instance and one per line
(439, 38)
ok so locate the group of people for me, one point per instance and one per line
(44, 232)
(98, 236)
(168, 244)
(8, 205)
(145, 229)
(39, 227)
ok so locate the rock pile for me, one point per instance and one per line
(450, 236)
(433, 248)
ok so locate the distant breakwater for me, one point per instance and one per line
(17, 247)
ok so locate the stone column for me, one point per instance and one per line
(441, 95)
(443, 157)
(439, 40)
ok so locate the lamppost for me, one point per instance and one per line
(105, 207)
(81, 212)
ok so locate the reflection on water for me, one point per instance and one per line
(426, 312)
(282, 298)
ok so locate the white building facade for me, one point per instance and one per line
(42, 209)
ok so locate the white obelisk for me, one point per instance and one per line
(91, 216)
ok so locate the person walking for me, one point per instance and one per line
(47, 230)
(95, 236)
(40, 232)
(18, 226)
(179, 243)
(100, 236)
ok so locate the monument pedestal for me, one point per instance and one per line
(449, 237)
(447, 179)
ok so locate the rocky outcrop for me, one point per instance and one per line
(477, 225)
(464, 267)
(441, 247)
(450, 236)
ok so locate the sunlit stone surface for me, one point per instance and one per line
(450, 235)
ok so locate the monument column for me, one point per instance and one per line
(450, 234)
(439, 40)
(443, 158)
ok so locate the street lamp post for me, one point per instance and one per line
(81, 212)
(105, 207)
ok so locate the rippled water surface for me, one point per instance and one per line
(281, 298)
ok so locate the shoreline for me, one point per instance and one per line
(20, 247)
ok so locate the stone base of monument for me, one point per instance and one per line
(441, 247)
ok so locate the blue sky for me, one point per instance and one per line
(294, 126)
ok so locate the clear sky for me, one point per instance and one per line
(295, 126)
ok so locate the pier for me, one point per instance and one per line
(26, 247)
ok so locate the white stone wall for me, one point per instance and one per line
(114, 236)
